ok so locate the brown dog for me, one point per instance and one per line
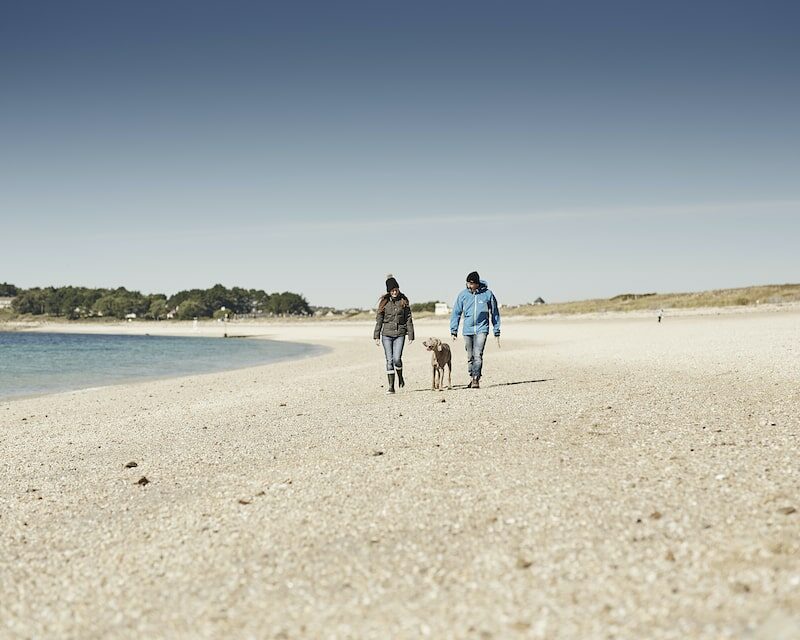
(440, 359)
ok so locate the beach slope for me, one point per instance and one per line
(612, 478)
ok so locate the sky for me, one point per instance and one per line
(567, 150)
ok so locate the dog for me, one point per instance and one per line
(440, 359)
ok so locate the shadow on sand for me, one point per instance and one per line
(508, 384)
(458, 387)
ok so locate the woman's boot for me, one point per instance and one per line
(391, 383)
(400, 382)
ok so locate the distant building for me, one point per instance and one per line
(440, 309)
(5, 303)
(539, 301)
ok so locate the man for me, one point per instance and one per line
(477, 304)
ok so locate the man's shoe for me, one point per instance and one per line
(476, 384)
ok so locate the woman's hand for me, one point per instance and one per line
(377, 342)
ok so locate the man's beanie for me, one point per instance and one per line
(391, 283)
(474, 277)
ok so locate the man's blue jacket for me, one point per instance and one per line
(476, 308)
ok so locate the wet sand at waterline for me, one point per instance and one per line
(612, 478)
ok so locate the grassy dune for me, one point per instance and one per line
(746, 296)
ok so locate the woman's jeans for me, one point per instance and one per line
(393, 348)
(474, 345)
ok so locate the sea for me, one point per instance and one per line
(34, 364)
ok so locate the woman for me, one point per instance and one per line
(392, 324)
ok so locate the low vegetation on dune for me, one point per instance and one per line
(745, 296)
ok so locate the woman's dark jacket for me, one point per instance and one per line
(394, 319)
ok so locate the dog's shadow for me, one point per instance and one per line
(460, 387)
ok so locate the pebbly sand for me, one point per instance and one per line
(613, 478)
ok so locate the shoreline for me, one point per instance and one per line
(614, 476)
(309, 350)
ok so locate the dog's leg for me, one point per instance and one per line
(449, 374)
(433, 382)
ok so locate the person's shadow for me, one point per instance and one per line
(458, 387)
(510, 384)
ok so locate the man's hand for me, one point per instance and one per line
(377, 342)
(410, 340)
(454, 336)
(498, 341)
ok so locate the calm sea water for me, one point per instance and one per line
(39, 363)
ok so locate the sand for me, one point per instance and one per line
(613, 478)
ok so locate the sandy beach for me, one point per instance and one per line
(613, 478)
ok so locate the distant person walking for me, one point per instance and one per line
(660, 315)
(477, 304)
(392, 324)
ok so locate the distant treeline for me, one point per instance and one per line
(419, 307)
(7, 290)
(81, 302)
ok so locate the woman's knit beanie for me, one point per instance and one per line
(391, 283)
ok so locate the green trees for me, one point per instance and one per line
(189, 309)
(31, 301)
(419, 307)
(289, 304)
(119, 303)
(158, 307)
(239, 301)
(82, 302)
(69, 302)
(104, 306)
(7, 290)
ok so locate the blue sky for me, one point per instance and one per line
(563, 149)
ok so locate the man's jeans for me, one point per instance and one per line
(393, 349)
(474, 345)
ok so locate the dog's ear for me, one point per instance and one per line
(439, 348)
